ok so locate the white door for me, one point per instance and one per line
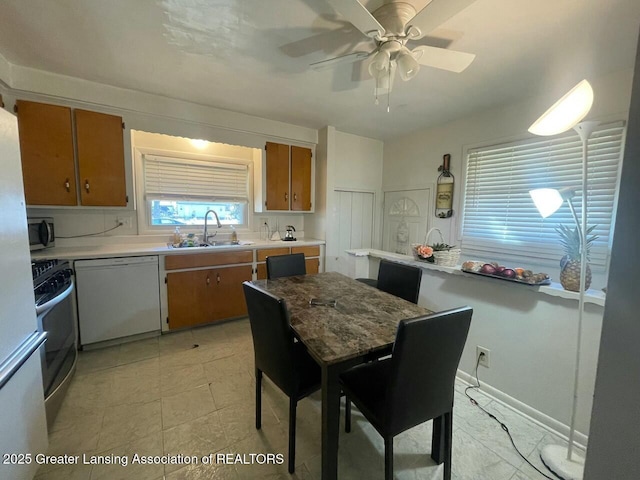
(405, 220)
(355, 227)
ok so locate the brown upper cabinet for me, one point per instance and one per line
(100, 159)
(288, 177)
(47, 150)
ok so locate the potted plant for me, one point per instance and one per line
(439, 253)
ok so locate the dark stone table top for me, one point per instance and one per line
(364, 319)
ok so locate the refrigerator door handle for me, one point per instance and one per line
(21, 354)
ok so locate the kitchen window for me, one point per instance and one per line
(179, 191)
(499, 217)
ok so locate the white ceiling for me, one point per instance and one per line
(252, 56)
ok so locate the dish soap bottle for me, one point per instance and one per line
(234, 235)
(177, 238)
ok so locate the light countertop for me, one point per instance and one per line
(140, 249)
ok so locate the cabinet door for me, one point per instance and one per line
(277, 167)
(100, 159)
(312, 265)
(300, 179)
(261, 273)
(190, 295)
(46, 147)
(229, 297)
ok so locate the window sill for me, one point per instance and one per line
(555, 289)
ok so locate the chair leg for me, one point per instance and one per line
(292, 434)
(437, 440)
(388, 458)
(258, 398)
(347, 414)
(448, 444)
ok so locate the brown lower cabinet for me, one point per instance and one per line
(196, 297)
(311, 258)
(207, 289)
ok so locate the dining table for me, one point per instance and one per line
(343, 323)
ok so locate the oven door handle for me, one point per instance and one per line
(54, 301)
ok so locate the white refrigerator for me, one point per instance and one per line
(23, 425)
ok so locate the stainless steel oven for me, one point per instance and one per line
(55, 310)
(41, 233)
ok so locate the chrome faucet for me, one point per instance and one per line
(206, 229)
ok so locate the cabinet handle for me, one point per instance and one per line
(208, 280)
(295, 197)
(286, 197)
(67, 185)
(86, 185)
(218, 278)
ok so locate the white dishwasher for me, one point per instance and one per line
(117, 297)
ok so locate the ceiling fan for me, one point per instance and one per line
(392, 27)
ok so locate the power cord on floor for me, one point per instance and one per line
(502, 425)
(91, 234)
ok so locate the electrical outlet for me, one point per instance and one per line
(125, 221)
(485, 358)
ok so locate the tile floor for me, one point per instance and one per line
(163, 396)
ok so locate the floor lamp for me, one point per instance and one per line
(567, 113)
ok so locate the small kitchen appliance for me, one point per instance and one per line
(41, 233)
(288, 236)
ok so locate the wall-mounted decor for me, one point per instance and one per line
(444, 189)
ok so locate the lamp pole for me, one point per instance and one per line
(584, 129)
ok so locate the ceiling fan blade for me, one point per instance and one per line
(433, 15)
(359, 16)
(349, 58)
(443, 59)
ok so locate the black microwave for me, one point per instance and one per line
(41, 233)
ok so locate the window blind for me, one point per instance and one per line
(499, 214)
(194, 180)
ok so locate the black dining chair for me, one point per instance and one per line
(286, 265)
(287, 364)
(415, 384)
(397, 279)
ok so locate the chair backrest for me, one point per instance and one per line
(400, 280)
(425, 359)
(272, 336)
(286, 265)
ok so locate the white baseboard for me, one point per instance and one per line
(536, 416)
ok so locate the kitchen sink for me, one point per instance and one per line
(223, 243)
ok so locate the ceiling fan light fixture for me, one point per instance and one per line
(407, 64)
(380, 64)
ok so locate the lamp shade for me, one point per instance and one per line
(407, 65)
(380, 64)
(546, 200)
(566, 112)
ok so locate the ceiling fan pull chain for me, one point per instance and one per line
(389, 91)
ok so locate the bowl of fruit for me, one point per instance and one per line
(495, 270)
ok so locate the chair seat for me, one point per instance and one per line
(372, 282)
(369, 382)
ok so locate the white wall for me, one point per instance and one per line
(413, 160)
